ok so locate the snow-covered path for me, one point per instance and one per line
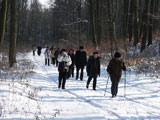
(77, 103)
(142, 101)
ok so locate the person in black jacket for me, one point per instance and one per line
(39, 50)
(80, 62)
(56, 54)
(93, 69)
(114, 69)
(71, 67)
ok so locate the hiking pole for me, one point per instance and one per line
(106, 86)
(125, 85)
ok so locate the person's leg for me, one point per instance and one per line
(77, 74)
(53, 60)
(60, 80)
(116, 89)
(88, 82)
(33, 53)
(69, 73)
(45, 61)
(72, 71)
(48, 62)
(94, 83)
(56, 62)
(81, 77)
(64, 80)
(113, 89)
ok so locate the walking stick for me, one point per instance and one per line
(125, 85)
(106, 86)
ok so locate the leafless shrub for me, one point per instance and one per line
(18, 84)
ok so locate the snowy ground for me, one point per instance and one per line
(40, 99)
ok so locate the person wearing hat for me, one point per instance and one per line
(114, 69)
(39, 48)
(63, 67)
(93, 69)
(80, 62)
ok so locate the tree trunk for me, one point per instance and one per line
(13, 34)
(136, 27)
(145, 25)
(150, 23)
(125, 22)
(98, 21)
(3, 14)
(92, 16)
(130, 24)
(79, 16)
(110, 24)
(126, 8)
(156, 13)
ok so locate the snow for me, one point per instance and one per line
(39, 98)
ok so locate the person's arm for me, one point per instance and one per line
(60, 58)
(45, 51)
(85, 58)
(88, 66)
(76, 57)
(69, 61)
(99, 67)
(73, 62)
(109, 67)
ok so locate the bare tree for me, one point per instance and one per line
(150, 22)
(3, 14)
(13, 33)
(145, 25)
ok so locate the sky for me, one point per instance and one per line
(44, 2)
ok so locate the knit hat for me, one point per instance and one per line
(63, 50)
(81, 47)
(117, 55)
(95, 52)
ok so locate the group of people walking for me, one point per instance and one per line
(66, 61)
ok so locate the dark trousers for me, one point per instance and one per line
(47, 62)
(94, 82)
(53, 60)
(81, 75)
(62, 79)
(71, 72)
(34, 53)
(114, 88)
(39, 53)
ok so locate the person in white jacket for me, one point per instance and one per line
(34, 49)
(47, 55)
(63, 68)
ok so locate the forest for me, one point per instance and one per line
(103, 25)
